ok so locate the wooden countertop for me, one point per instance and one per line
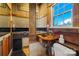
(48, 37)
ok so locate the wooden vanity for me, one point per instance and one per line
(48, 38)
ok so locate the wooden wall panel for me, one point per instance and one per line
(20, 22)
(76, 15)
(42, 19)
(4, 21)
(43, 10)
(22, 14)
(45, 14)
(41, 23)
(4, 11)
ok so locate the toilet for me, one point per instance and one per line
(60, 50)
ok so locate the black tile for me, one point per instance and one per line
(17, 44)
(18, 53)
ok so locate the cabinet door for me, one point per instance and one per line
(0, 48)
(9, 43)
(5, 46)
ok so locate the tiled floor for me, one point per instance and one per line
(34, 49)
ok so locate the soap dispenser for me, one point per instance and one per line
(61, 39)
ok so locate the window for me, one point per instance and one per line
(62, 14)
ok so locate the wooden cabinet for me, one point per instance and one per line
(0, 48)
(5, 46)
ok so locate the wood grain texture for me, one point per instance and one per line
(5, 47)
(76, 15)
(32, 22)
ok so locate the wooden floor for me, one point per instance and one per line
(26, 51)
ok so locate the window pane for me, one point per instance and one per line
(67, 15)
(61, 5)
(56, 7)
(60, 20)
(68, 7)
(68, 3)
(61, 10)
(55, 12)
(67, 18)
(55, 20)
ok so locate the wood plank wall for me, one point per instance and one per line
(49, 13)
(76, 15)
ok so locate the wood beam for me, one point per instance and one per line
(9, 5)
(32, 22)
(48, 14)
